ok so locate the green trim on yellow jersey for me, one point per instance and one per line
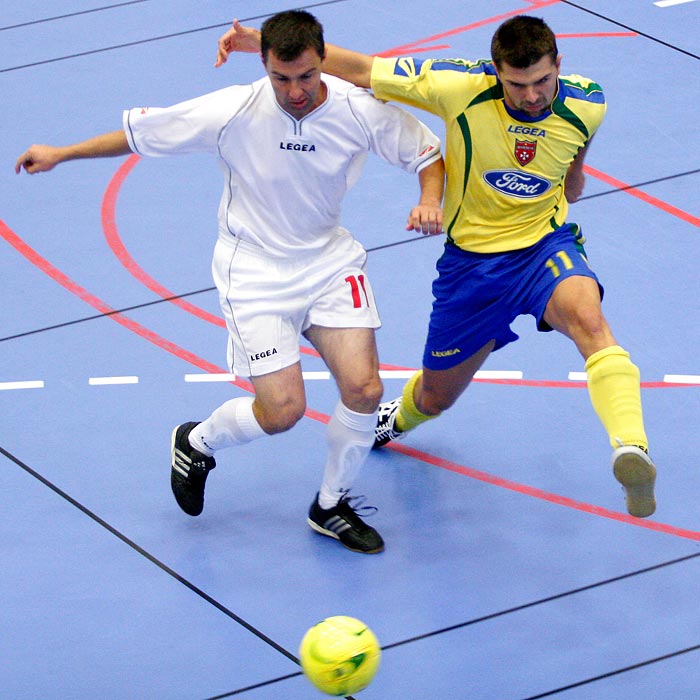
(464, 127)
(505, 170)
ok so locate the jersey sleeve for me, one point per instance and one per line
(187, 127)
(582, 103)
(395, 135)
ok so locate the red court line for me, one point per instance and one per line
(655, 202)
(487, 478)
(405, 48)
(45, 266)
(109, 226)
(588, 35)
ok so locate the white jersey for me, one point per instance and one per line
(285, 179)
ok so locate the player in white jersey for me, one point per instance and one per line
(290, 146)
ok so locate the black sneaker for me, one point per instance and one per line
(344, 524)
(188, 470)
(386, 419)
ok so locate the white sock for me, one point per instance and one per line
(233, 423)
(350, 437)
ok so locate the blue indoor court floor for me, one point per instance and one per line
(512, 570)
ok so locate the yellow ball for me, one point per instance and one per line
(340, 655)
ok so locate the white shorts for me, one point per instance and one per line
(269, 302)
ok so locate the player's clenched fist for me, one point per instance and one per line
(38, 158)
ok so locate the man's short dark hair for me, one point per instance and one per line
(522, 41)
(290, 33)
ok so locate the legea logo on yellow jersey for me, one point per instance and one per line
(445, 353)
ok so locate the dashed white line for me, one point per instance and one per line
(670, 3)
(325, 375)
(497, 374)
(105, 381)
(316, 375)
(210, 377)
(396, 373)
(33, 384)
(682, 378)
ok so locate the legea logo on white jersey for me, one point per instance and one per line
(516, 183)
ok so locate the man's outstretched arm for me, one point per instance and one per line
(350, 65)
(40, 158)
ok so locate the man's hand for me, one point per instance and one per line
(38, 159)
(426, 218)
(238, 38)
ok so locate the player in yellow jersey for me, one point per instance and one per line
(516, 136)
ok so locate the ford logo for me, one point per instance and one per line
(516, 183)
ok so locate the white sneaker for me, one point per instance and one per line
(636, 472)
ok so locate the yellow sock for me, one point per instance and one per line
(613, 385)
(409, 416)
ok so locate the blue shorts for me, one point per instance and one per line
(478, 295)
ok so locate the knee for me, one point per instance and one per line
(363, 397)
(432, 400)
(432, 403)
(590, 321)
(279, 417)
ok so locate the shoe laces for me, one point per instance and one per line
(358, 504)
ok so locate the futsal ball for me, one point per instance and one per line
(340, 655)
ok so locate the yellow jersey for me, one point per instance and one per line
(505, 169)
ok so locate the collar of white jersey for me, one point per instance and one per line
(326, 79)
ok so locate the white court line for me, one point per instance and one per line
(210, 377)
(396, 373)
(33, 384)
(497, 374)
(232, 377)
(384, 374)
(105, 381)
(481, 374)
(670, 3)
(682, 378)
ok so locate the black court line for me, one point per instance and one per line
(444, 630)
(164, 567)
(319, 4)
(603, 676)
(107, 314)
(641, 184)
(171, 572)
(71, 14)
(93, 317)
(631, 29)
(155, 38)
(542, 601)
(240, 691)
(484, 618)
